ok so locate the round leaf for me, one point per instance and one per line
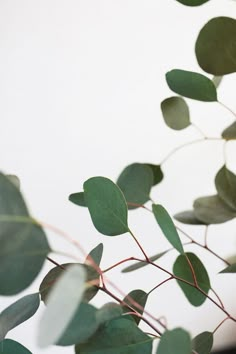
(53, 324)
(95, 254)
(177, 341)
(54, 274)
(136, 181)
(215, 46)
(157, 173)
(230, 132)
(192, 85)
(23, 244)
(176, 113)
(82, 326)
(106, 205)
(9, 346)
(203, 343)
(225, 182)
(188, 217)
(117, 336)
(108, 312)
(167, 226)
(212, 210)
(230, 269)
(17, 313)
(182, 270)
(192, 2)
(217, 80)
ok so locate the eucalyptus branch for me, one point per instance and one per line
(228, 109)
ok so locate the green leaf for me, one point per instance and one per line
(230, 132)
(167, 226)
(66, 294)
(95, 254)
(107, 312)
(107, 206)
(157, 173)
(215, 46)
(23, 244)
(17, 313)
(192, 2)
(115, 337)
(182, 270)
(177, 341)
(217, 80)
(136, 181)
(212, 210)
(9, 346)
(188, 217)
(139, 265)
(138, 296)
(176, 113)
(82, 326)
(192, 85)
(230, 269)
(78, 199)
(53, 275)
(203, 343)
(225, 182)
(15, 180)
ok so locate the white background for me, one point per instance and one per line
(81, 86)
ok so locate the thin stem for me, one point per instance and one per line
(181, 147)
(219, 299)
(158, 285)
(139, 245)
(199, 130)
(130, 308)
(205, 236)
(228, 109)
(55, 263)
(120, 262)
(223, 321)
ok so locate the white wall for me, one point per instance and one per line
(81, 86)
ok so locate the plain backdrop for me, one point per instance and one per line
(81, 85)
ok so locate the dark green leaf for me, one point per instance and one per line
(66, 295)
(157, 173)
(188, 217)
(175, 112)
(115, 337)
(217, 80)
(138, 296)
(139, 265)
(78, 199)
(203, 343)
(23, 244)
(82, 326)
(215, 46)
(225, 182)
(212, 210)
(52, 276)
(107, 206)
(192, 85)
(136, 181)
(95, 254)
(230, 269)
(108, 312)
(230, 132)
(192, 2)
(177, 341)
(9, 346)
(182, 270)
(17, 313)
(167, 226)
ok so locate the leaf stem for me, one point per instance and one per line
(228, 109)
(158, 285)
(139, 245)
(223, 321)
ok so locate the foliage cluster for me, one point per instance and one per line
(114, 328)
